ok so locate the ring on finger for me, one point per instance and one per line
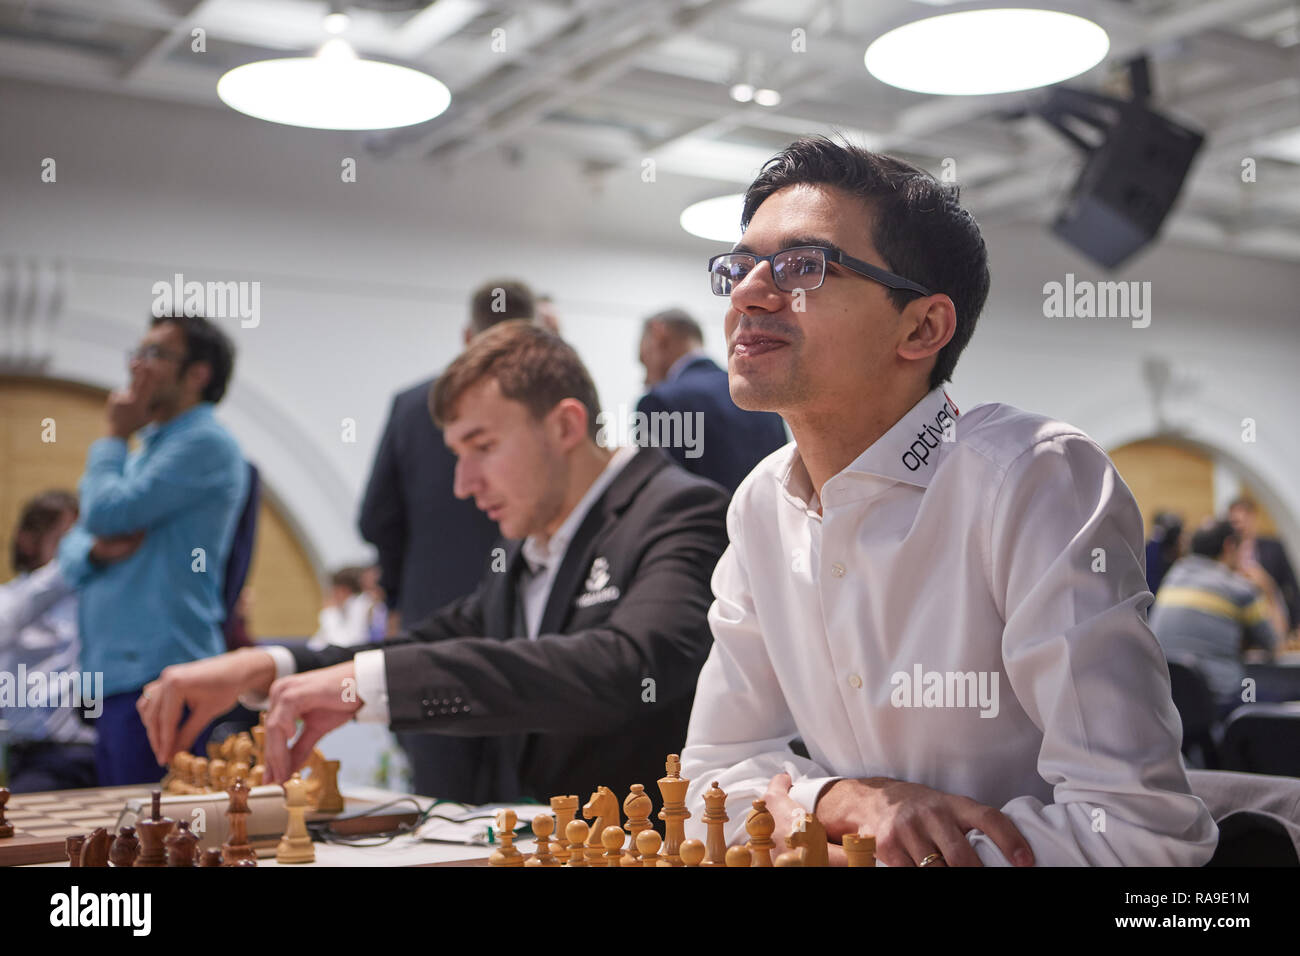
(933, 859)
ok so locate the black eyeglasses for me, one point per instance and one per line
(800, 267)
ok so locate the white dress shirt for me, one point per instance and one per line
(1007, 561)
(533, 591)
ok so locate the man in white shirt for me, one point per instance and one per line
(948, 608)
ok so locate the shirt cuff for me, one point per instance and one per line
(284, 666)
(372, 687)
(806, 791)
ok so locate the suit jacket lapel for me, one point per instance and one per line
(501, 595)
(569, 579)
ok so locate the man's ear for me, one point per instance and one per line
(571, 422)
(199, 374)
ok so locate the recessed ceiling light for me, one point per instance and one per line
(742, 92)
(717, 218)
(976, 52)
(333, 90)
(767, 97)
(336, 22)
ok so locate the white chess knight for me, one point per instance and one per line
(296, 846)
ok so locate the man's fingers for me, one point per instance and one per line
(952, 843)
(167, 702)
(999, 828)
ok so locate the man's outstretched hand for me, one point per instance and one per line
(208, 688)
(322, 699)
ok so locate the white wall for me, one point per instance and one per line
(364, 288)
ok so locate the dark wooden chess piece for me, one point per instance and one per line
(95, 850)
(211, 857)
(6, 828)
(125, 848)
(182, 845)
(152, 834)
(73, 846)
(236, 848)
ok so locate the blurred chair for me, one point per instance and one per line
(1263, 738)
(1197, 709)
(1275, 682)
(1258, 817)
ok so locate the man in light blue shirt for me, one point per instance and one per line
(183, 487)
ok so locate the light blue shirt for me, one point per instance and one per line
(184, 487)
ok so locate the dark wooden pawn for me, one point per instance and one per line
(125, 848)
(73, 845)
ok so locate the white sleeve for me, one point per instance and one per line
(740, 724)
(24, 599)
(1066, 561)
(372, 687)
(284, 666)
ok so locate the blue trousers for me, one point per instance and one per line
(122, 752)
(37, 766)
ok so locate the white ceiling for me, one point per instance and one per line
(602, 85)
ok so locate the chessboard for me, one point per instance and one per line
(43, 821)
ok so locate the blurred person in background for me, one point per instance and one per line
(1266, 555)
(1164, 547)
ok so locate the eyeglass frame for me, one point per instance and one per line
(146, 352)
(830, 254)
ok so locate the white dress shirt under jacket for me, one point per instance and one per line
(965, 614)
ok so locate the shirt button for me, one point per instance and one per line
(855, 681)
(837, 570)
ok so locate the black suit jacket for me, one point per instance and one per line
(1272, 558)
(605, 691)
(431, 545)
(734, 440)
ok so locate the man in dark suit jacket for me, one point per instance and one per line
(684, 380)
(1269, 554)
(431, 545)
(577, 656)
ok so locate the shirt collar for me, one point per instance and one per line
(541, 556)
(679, 366)
(153, 431)
(908, 452)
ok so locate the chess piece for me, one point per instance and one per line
(217, 774)
(860, 850)
(295, 846)
(182, 845)
(672, 790)
(543, 827)
(647, 846)
(791, 858)
(760, 826)
(808, 834)
(95, 850)
(251, 861)
(565, 809)
(612, 837)
(152, 833)
(715, 816)
(576, 831)
(259, 741)
(739, 856)
(328, 798)
(199, 774)
(236, 847)
(602, 810)
(6, 828)
(314, 779)
(211, 857)
(125, 848)
(507, 854)
(214, 751)
(692, 852)
(637, 806)
(72, 846)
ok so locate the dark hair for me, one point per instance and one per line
(500, 300)
(1167, 529)
(204, 342)
(1210, 539)
(531, 365)
(918, 227)
(679, 322)
(37, 517)
(349, 578)
(1244, 502)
